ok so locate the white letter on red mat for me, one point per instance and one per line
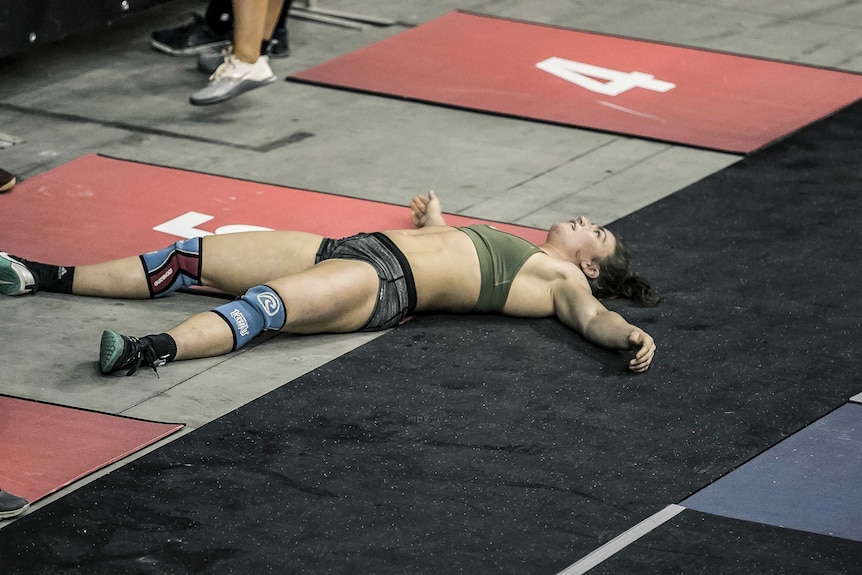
(185, 226)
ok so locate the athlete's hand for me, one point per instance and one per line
(644, 347)
(426, 211)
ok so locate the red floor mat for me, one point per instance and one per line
(45, 447)
(96, 208)
(656, 91)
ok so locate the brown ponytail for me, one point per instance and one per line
(614, 280)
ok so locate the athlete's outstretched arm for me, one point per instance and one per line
(426, 211)
(575, 306)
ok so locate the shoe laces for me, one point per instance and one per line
(226, 66)
(142, 353)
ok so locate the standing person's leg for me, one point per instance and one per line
(245, 69)
(275, 46)
(255, 21)
(250, 19)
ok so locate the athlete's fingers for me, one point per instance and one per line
(645, 346)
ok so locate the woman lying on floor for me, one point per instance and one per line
(302, 283)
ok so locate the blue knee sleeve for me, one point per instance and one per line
(174, 267)
(259, 309)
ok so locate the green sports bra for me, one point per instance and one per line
(501, 256)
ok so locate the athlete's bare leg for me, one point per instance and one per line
(335, 296)
(123, 278)
(232, 263)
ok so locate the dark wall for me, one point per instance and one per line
(28, 23)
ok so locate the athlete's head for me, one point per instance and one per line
(603, 258)
(582, 243)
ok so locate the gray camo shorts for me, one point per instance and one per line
(396, 297)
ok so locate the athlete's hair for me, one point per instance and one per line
(615, 281)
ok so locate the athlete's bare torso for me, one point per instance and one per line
(446, 270)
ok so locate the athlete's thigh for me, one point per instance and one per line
(233, 263)
(334, 296)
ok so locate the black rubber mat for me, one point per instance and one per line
(700, 543)
(486, 445)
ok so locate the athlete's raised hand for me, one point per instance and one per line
(426, 211)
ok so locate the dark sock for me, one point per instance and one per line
(164, 345)
(281, 25)
(285, 12)
(51, 278)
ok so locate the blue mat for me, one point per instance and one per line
(812, 481)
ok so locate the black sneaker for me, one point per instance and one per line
(7, 181)
(190, 39)
(278, 44)
(124, 352)
(12, 505)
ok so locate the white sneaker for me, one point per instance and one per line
(232, 78)
(15, 278)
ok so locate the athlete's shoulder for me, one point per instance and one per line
(545, 267)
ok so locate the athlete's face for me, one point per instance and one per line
(581, 241)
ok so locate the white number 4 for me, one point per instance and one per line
(590, 77)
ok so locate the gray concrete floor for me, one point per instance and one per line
(111, 93)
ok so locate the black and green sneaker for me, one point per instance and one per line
(119, 352)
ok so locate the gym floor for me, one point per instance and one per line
(111, 93)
